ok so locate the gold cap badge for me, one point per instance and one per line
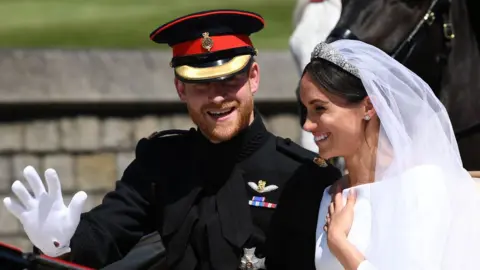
(207, 41)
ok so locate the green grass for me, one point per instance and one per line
(122, 23)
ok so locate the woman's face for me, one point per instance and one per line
(337, 125)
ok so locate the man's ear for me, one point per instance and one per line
(180, 86)
(254, 77)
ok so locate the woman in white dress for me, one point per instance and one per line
(407, 202)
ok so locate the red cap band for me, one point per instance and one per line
(211, 44)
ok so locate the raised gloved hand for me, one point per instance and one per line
(48, 223)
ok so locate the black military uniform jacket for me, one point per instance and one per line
(197, 195)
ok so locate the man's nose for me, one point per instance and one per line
(217, 93)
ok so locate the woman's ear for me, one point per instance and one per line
(369, 108)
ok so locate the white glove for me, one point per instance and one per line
(48, 223)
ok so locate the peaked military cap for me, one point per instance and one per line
(210, 45)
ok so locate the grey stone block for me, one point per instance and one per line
(5, 173)
(96, 171)
(117, 134)
(181, 121)
(12, 137)
(21, 161)
(145, 126)
(80, 134)
(123, 160)
(10, 223)
(64, 165)
(42, 136)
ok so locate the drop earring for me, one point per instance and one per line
(367, 117)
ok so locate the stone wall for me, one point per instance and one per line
(82, 112)
(88, 152)
(103, 76)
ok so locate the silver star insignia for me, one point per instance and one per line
(250, 262)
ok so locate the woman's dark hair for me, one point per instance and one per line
(336, 80)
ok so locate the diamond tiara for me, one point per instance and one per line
(327, 52)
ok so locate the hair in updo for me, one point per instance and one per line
(336, 80)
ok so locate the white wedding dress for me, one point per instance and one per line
(422, 211)
(359, 234)
(421, 187)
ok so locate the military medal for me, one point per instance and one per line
(260, 202)
(250, 262)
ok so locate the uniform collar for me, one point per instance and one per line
(239, 147)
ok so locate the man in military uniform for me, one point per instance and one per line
(209, 192)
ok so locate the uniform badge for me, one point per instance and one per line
(207, 42)
(250, 262)
(260, 202)
(320, 162)
(262, 187)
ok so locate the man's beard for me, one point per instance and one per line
(223, 131)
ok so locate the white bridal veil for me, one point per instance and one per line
(424, 204)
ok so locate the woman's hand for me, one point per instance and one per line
(340, 218)
(339, 221)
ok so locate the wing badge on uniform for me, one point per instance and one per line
(262, 187)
